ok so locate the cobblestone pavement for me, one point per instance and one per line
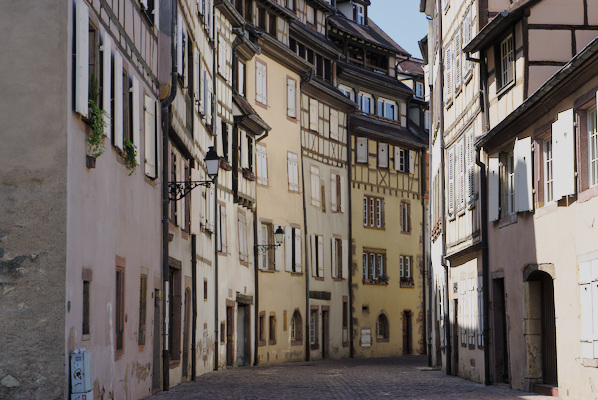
(369, 378)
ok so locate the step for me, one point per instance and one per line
(546, 389)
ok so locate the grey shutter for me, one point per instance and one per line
(288, 248)
(523, 174)
(563, 139)
(493, 187)
(82, 58)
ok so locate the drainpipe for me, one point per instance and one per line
(255, 277)
(165, 201)
(350, 249)
(214, 115)
(307, 270)
(423, 201)
(194, 297)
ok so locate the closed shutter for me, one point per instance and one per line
(211, 209)
(563, 154)
(186, 60)
(244, 149)
(470, 157)
(448, 79)
(150, 137)
(313, 114)
(493, 187)
(397, 158)
(224, 247)
(209, 99)
(460, 185)
(179, 45)
(293, 171)
(586, 315)
(345, 257)
(196, 75)
(298, 252)
(277, 254)
(334, 125)
(135, 118)
(411, 161)
(333, 258)
(451, 180)
(480, 311)
(118, 100)
(291, 97)
(81, 58)
(288, 248)
(107, 83)
(343, 194)
(383, 155)
(362, 150)
(523, 174)
(333, 194)
(260, 258)
(313, 249)
(457, 64)
(204, 93)
(320, 256)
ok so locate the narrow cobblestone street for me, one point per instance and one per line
(372, 378)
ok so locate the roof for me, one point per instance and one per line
(412, 66)
(250, 116)
(541, 97)
(372, 78)
(370, 33)
(317, 38)
(382, 128)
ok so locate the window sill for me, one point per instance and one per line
(406, 232)
(261, 343)
(508, 220)
(296, 342)
(373, 283)
(315, 346)
(270, 271)
(296, 273)
(407, 285)
(382, 340)
(337, 279)
(589, 362)
(271, 342)
(318, 278)
(587, 194)
(85, 337)
(505, 89)
(545, 209)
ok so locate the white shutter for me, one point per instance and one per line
(118, 100)
(204, 92)
(563, 154)
(209, 99)
(411, 162)
(196, 75)
(523, 174)
(179, 45)
(135, 118)
(451, 180)
(314, 265)
(313, 114)
(457, 55)
(82, 58)
(333, 258)
(397, 158)
(277, 254)
(244, 150)
(586, 314)
(345, 257)
(594, 266)
(343, 194)
(150, 137)
(297, 239)
(260, 258)
(107, 82)
(288, 248)
(321, 256)
(460, 184)
(186, 58)
(470, 157)
(448, 86)
(333, 205)
(493, 187)
(480, 311)
(291, 97)
(334, 125)
(362, 150)
(383, 155)
(293, 171)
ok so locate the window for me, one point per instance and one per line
(151, 139)
(296, 328)
(174, 320)
(373, 212)
(310, 15)
(505, 68)
(365, 103)
(480, 312)
(405, 217)
(291, 98)
(261, 164)
(293, 171)
(269, 259)
(548, 174)
(241, 73)
(450, 166)
(272, 24)
(339, 260)
(382, 155)
(448, 74)
(419, 90)
(507, 183)
(347, 91)
(362, 150)
(221, 239)
(315, 186)
(406, 271)
(85, 331)
(358, 14)
(262, 16)
(466, 29)
(345, 321)
(261, 86)
(292, 249)
(588, 300)
(334, 124)
(382, 327)
(374, 266)
(262, 328)
(404, 160)
(317, 256)
(314, 329)
(142, 309)
(593, 146)
(205, 290)
(242, 226)
(460, 175)
(458, 54)
(290, 4)
(470, 165)
(427, 120)
(313, 114)
(272, 329)
(120, 308)
(387, 109)
(338, 187)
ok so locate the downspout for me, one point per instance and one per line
(165, 199)
(256, 277)
(350, 249)
(194, 297)
(307, 269)
(214, 114)
(424, 239)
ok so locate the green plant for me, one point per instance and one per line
(95, 141)
(130, 154)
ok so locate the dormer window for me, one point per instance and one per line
(359, 14)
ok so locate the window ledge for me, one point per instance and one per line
(407, 285)
(318, 278)
(547, 208)
(296, 273)
(296, 342)
(261, 343)
(589, 362)
(508, 220)
(587, 194)
(382, 340)
(503, 90)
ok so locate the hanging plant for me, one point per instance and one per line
(96, 120)
(130, 154)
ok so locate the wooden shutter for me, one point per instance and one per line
(81, 58)
(277, 254)
(333, 258)
(362, 150)
(480, 311)
(448, 78)
(291, 97)
(223, 229)
(460, 184)
(150, 137)
(333, 205)
(383, 155)
(334, 124)
(397, 158)
(179, 45)
(244, 149)
(313, 114)
(107, 82)
(451, 180)
(298, 252)
(493, 187)
(196, 75)
(186, 58)
(288, 248)
(135, 119)
(321, 256)
(345, 258)
(457, 55)
(563, 154)
(313, 244)
(470, 157)
(293, 171)
(411, 161)
(118, 100)
(260, 257)
(343, 196)
(522, 154)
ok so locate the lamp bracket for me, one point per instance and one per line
(179, 189)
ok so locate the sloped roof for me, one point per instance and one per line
(249, 114)
(382, 128)
(412, 66)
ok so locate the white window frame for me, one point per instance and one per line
(593, 147)
(261, 82)
(261, 167)
(347, 91)
(293, 171)
(419, 90)
(359, 14)
(370, 102)
(315, 186)
(291, 98)
(547, 164)
(382, 112)
(507, 61)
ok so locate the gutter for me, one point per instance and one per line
(307, 270)
(350, 258)
(423, 200)
(165, 199)
(214, 115)
(194, 299)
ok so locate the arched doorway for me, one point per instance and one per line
(540, 326)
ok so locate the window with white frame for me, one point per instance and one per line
(373, 212)
(291, 97)
(406, 270)
(387, 109)
(292, 249)
(448, 73)
(588, 302)
(365, 102)
(241, 78)
(296, 327)
(460, 175)
(466, 29)
(339, 260)
(313, 114)
(419, 90)
(362, 150)
(242, 229)
(401, 163)
(359, 14)
(506, 62)
(315, 186)
(314, 331)
(593, 146)
(548, 173)
(405, 217)
(427, 120)
(261, 82)
(338, 187)
(261, 161)
(293, 171)
(458, 54)
(347, 91)
(374, 265)
(317, 255)
(470, 164)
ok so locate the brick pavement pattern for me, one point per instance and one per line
(364, 378)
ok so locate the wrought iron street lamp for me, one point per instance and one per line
(278, 238)
(179, 189)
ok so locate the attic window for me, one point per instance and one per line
(359, 14)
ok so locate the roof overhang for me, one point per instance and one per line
(247, 117)
(230, 13)
(390, 131)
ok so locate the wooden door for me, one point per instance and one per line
(325, 334)
(549, 361)
(230, 336)
(157, 337)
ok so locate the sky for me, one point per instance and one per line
(402, 21)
